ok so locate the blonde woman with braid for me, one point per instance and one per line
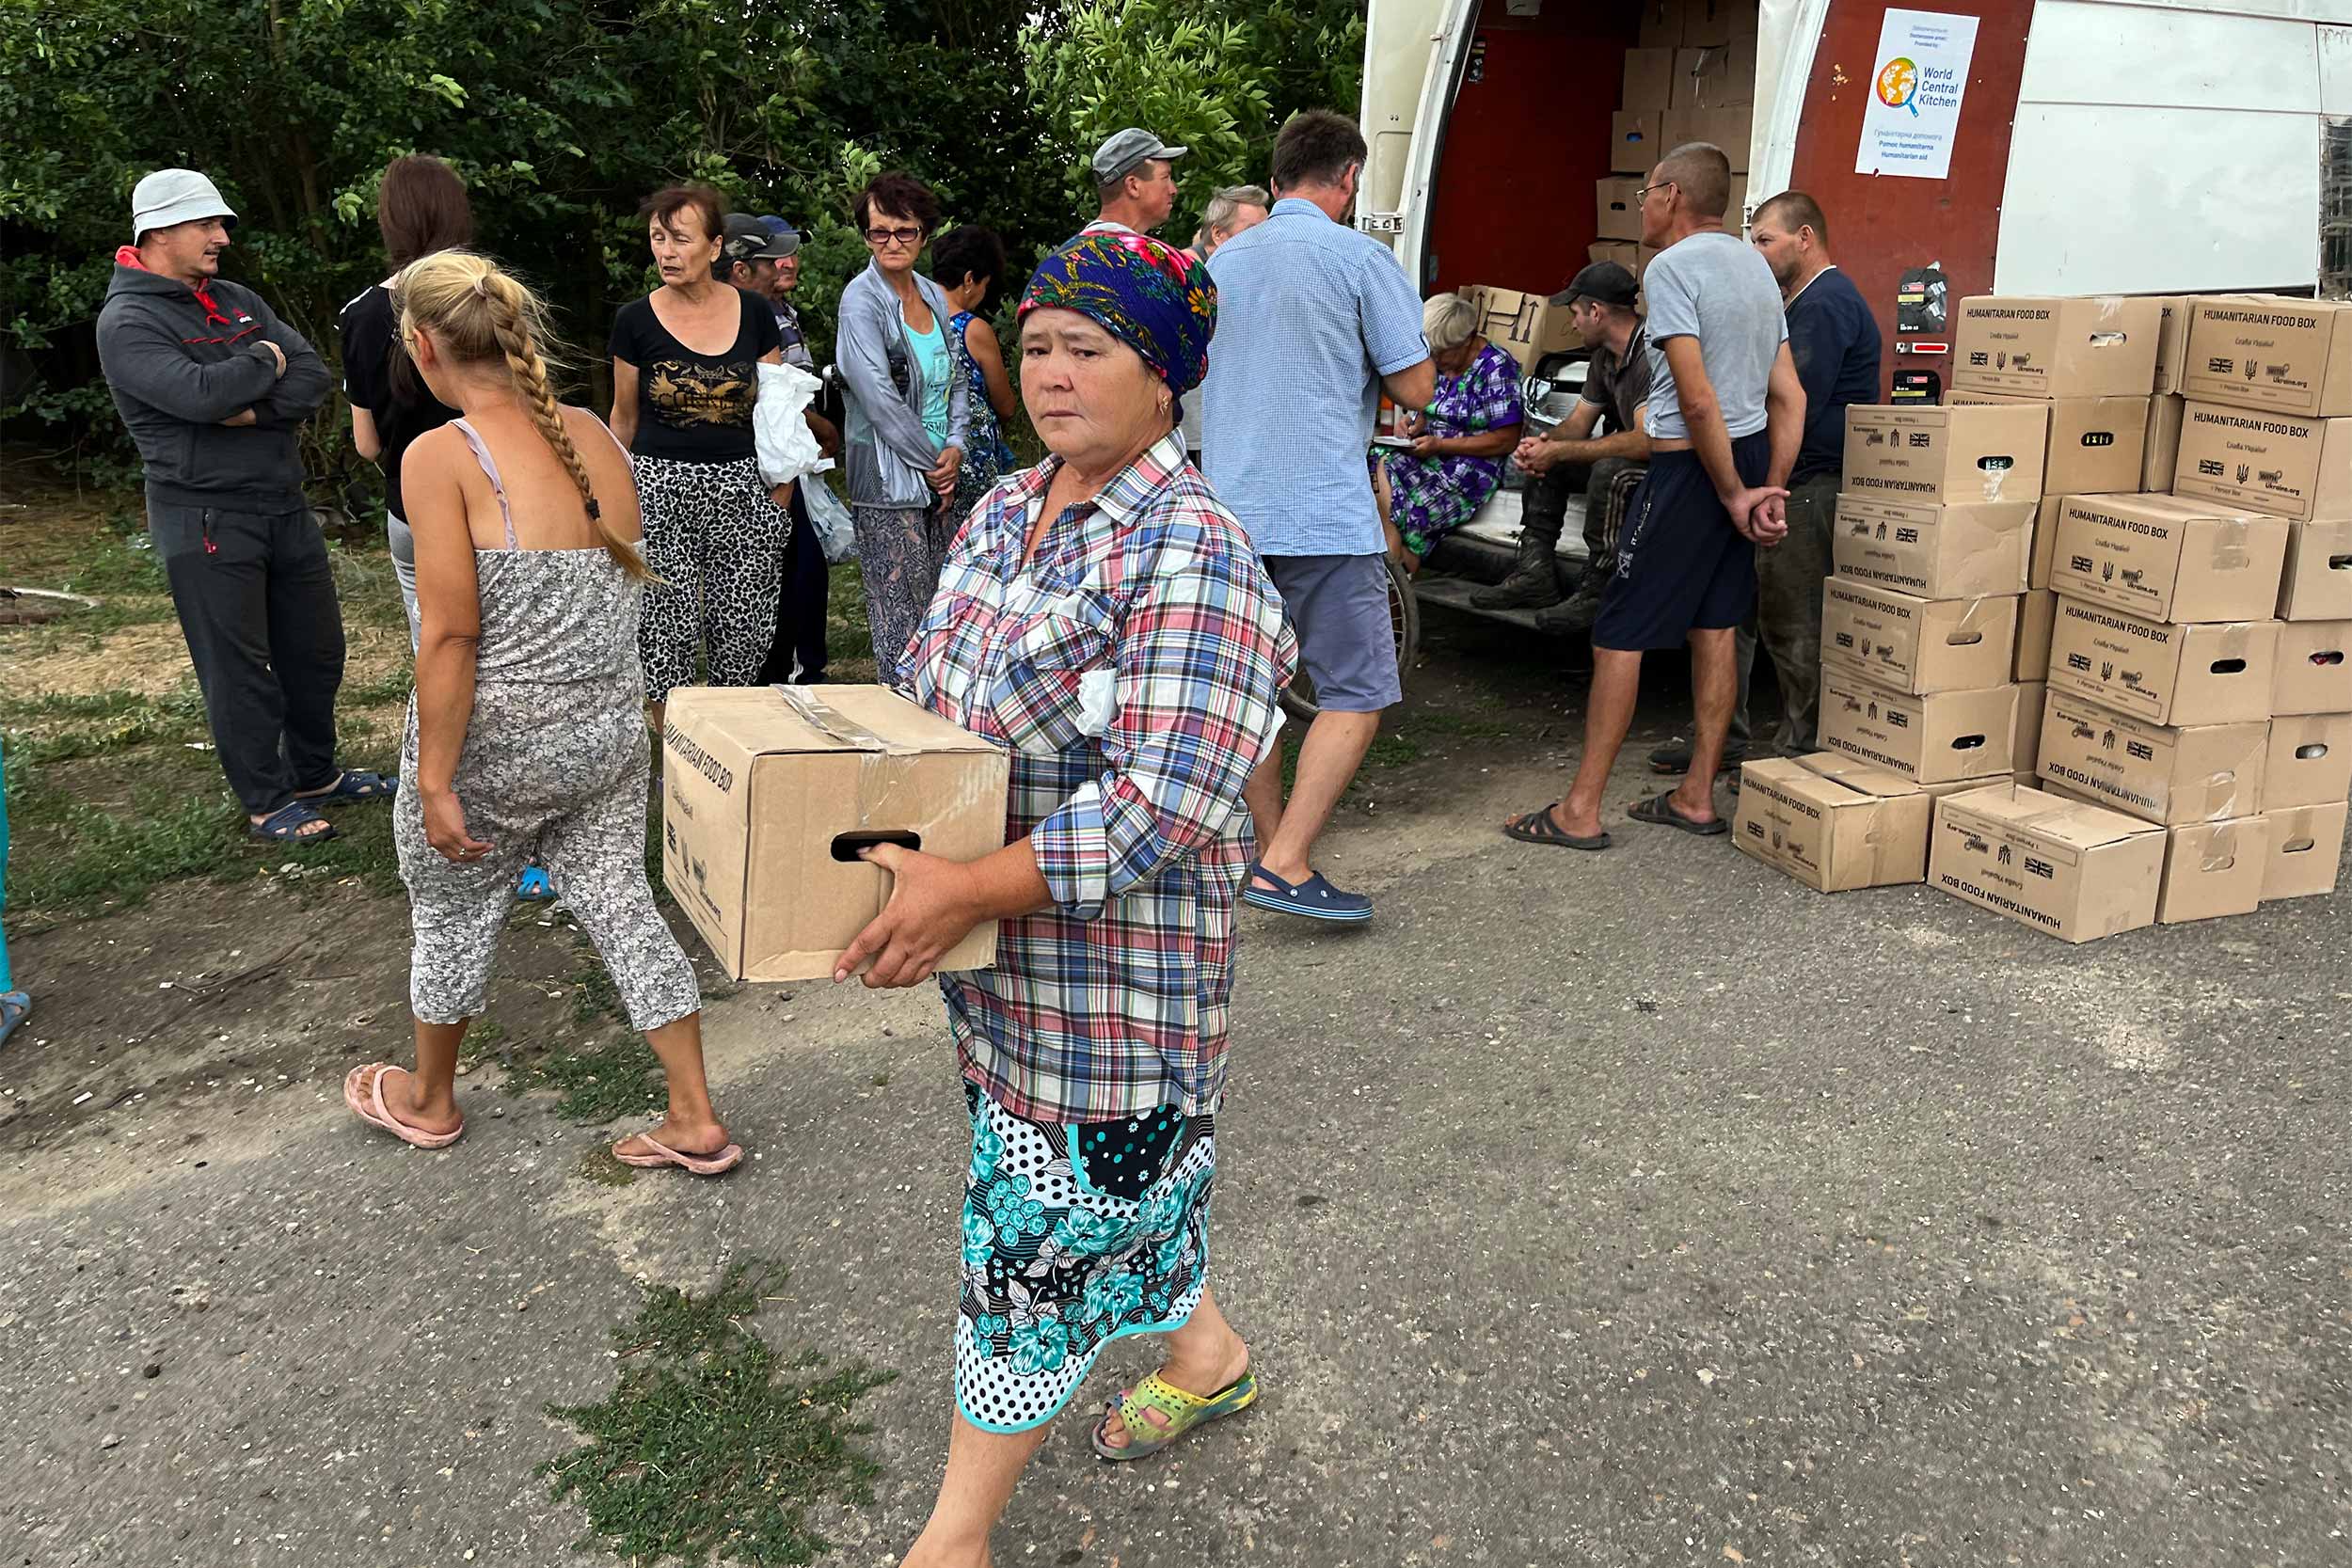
(526, 725)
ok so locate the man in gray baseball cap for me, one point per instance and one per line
(215, 387)
(1135, 173)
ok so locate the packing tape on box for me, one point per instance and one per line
(2221, 853)
(830, 720)
(1972, 628)
(882, 765)
(2230, 552)
(2222, 795)
(2237, 637)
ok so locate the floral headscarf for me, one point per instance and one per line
(1151, 297)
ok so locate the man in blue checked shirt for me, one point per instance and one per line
(1314, 320)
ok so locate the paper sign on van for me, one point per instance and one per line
(1916, 83)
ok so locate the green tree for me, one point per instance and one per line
(1216, 77)
(559, 114)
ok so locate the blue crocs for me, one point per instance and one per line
(532, 886)
(1315, 898)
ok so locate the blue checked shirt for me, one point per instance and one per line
(1309, 316)
(1132, 668)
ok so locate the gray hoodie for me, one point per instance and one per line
(887, 452)
(179, 362)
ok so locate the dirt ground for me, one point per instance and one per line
(1620, 1210)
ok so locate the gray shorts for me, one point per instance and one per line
(1338, 607)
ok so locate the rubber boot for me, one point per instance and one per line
(1532, 582)
(1574, 616)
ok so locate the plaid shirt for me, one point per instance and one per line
(1131, 667)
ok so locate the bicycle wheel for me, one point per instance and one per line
(1298, 698)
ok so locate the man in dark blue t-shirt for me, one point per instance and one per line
(1834, 341)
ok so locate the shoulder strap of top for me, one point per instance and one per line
(614, 439)
(490, 468)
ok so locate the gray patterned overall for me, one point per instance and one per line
(555, 754)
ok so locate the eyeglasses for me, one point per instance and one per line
(908, 238)
(1643, 195)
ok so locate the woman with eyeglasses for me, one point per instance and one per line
(904, 439)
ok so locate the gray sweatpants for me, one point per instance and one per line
(1787, 617)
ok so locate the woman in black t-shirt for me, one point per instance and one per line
(420, 208)
(684, 378)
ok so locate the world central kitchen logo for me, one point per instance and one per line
(1903, 83)
(1898, 83)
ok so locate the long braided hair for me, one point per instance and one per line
(476, 313)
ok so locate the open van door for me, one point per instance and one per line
(1415, 53)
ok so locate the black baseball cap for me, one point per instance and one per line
(1602, 282)
(749, 240)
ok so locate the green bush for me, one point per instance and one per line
(563, 113)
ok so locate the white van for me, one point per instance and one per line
(2176, 145)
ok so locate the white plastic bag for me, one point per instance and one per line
(788, 448)
(836, 531)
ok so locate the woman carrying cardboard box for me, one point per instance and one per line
(1107, 621)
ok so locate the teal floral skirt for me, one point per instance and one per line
(1074, 1235)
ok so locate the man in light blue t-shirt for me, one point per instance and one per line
(1313, 321)
(1725, 415)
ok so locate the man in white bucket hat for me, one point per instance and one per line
(214, 389)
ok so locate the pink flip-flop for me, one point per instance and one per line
(370, 1109)
(700, 1165)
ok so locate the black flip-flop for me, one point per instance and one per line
(1659, 811)
(1537, 827)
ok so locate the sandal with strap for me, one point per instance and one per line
(1182, 1411)
(1541, 827)
(15, 1007)
(1659, 810)
(367, 1104)
(717, 1162)
(356, 785)
(285, 825)
(1316, 899)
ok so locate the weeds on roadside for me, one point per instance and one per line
(601, 1079)
(713, 1446)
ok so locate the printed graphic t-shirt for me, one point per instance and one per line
(695, 407)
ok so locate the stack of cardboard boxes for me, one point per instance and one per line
(2187, 598)
(1693, 78)
(1920, 628)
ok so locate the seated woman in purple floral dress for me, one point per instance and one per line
(1463, 436)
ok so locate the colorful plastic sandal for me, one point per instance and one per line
(1184, 1412)
(532, 886)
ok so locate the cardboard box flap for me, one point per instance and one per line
(839, 719)
(1823, 786)
(1861, 777)
(2077, 825)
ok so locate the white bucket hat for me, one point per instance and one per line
(171, 195)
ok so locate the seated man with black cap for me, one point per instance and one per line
(1571, 458)
(1135, 172)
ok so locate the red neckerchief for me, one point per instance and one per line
(129, 257)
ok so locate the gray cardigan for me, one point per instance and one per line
(887, 452)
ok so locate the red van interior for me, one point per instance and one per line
(1528, 137)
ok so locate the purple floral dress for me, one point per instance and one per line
(1431, 496)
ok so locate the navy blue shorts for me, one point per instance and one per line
(1681, 566)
